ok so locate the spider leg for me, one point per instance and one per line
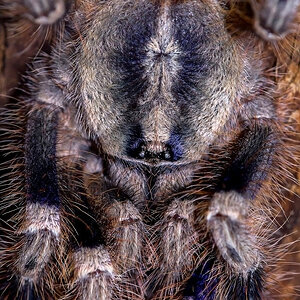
(106, 271)
(273, 18)
(93, 274)
(178, 243)
(40, 229)
(45, 12)
(228, 215)
(108, 266)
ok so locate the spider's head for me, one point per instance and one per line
(158, 81)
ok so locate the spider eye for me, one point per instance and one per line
(152, 151)
(138, 148)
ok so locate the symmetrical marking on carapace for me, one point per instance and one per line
(161, 62)
(163, 67)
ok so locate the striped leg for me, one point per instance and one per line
(234, 213)
(274, 18)
(40, 229)
(178, 247)
(109, 268)
(45, 11)
(94, 274)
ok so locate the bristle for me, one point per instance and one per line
(95, 225)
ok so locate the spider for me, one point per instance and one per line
(152, 139)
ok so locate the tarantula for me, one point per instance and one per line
(152, 137)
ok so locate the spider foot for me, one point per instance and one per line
(45, 12)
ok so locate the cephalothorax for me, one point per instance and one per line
(150, 146)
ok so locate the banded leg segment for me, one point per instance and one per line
(273, 18)
(178, 246)
(40, 157)
(93, 274)
(45, 11)
(40, 229)
(250, 160)
(229, 217)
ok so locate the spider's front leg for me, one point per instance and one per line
(40, 229)
(234, 230)
(45, 11)
(273, 18)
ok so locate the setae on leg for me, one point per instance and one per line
(45, 12)
(274, 18)
(229, 211)
(41, 224)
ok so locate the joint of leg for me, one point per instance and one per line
(93, 262)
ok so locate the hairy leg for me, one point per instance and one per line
(45, 11)
(229, 214)
(94, 274)
(41, 225)
(177, 244)
(32, 210)
(273, 18)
